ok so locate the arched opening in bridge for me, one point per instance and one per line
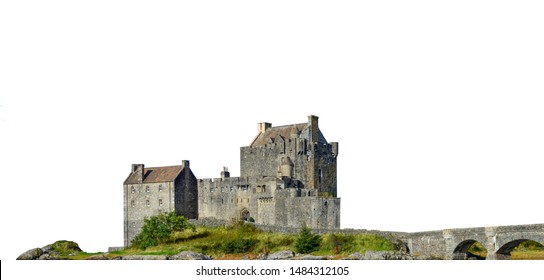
(521, 249)
(470, 250)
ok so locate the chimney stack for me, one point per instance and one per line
(138, 169)
(314, 128)
(225, 173)
(264, 126)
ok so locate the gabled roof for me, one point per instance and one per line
(275, 133)
(156, 174)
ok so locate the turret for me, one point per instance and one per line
(286, 167)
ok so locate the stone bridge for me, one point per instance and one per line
(454, 243)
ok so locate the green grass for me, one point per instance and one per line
(528, 250)
(245, 240)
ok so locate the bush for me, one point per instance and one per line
(307, 241)
(158, 229)
(340, 242)
(239, 245)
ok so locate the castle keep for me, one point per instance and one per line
(288, 178)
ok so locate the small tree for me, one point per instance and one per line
(307, 241)
(158, 229)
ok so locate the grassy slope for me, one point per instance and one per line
(246, 241)
(211, 241)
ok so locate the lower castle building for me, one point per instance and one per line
(288, 178)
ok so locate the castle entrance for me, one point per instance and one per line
(244, 214)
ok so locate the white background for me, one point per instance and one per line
(437, 106)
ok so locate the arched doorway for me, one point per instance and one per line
(470, 250)
(244, 215)
(521, 249)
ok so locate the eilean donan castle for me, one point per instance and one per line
(288, 178)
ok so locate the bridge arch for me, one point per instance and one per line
(461, 251)
(504, 252)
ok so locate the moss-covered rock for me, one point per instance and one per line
(63, 248)
(32, 254)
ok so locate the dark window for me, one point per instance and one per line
(147, 203)
(132, 204)
(160, 202)
(146, 188)
(132, 189)
(160, 188)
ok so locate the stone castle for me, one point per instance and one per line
(288, 178)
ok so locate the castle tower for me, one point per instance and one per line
(313, 158)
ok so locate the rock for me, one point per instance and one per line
(98, 257)
(189, 255)
(311, 258)
(47, 249)
(144, 257)
(281, 255)
(386, 255)
(354, 256)
(32, 254)
(50, 257)
(373, 255)
(64, 248)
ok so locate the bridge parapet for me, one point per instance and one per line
(449, 243)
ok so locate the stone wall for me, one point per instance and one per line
(267, 201)
(145, 200)
(186, 194)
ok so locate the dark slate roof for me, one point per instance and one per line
(156, 174)
(275, 133)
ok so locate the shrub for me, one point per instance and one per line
(307, 241)
(239, 245)
(340, 241)
(158, 229)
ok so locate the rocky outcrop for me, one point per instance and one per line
(54, 251)
(380, 255)
(32, 254)
(189, 255)
(355, 256)
(311, 258)
(142, 258)
(281, 255)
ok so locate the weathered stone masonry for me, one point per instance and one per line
(288, 179)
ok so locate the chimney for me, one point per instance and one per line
(138, 169)
(225, 173)
(334, 148)
(185, 163)
(264, 126)
(314, 128)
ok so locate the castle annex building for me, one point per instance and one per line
(288, 178)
